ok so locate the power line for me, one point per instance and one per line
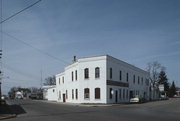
(37, 49)
(2, 21)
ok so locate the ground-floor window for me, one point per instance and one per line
(76, 93)
(97, 93)
(127, 94)
(119, 93)
(86, 93)
(123, 93)
(59, 94)
(72, 93)
(66, 94)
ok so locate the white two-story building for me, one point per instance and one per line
(100, 79)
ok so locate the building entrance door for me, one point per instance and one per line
(64, 97)
(116, 94)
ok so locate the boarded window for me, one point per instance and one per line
(97, 93)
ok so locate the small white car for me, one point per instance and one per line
(136, 99)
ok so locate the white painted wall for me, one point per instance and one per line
(52, 94)
(125, 68)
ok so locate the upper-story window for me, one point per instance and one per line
(59, 81)
(127, 77)
(142, 80)
(147, 82)
(138, 79)
(63, 79)
(97, 72)
(76, 74)
(134, 79)
(86, 73)
(110, 73)
(72, 75)
(120, 75)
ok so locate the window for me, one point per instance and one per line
(142, 80)
(134, 79)
(120, 74)
(97, 72)
(59, 94)
(123, 93)
(127, 77)
(147, 82)
(76, 74)
(119, 93)
(138, 79)
(76, 93)
(72, 93)
(86, 93)
(53, 90)
(126, 94)
(110, 73)
(63, 79)
(59, 81)
(72, 75)
(110, 93)
(97, 93)
(66, 94)
(86, 73)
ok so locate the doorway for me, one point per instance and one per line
(116, 96)
(64, 97)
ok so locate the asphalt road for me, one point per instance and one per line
(29, 110)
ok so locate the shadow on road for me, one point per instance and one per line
(11, 109)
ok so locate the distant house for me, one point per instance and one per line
(99, 79)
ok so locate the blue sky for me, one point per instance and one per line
(135, 31)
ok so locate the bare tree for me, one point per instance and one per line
(154, 69)
(50, 81)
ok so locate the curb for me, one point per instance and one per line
(8, 117)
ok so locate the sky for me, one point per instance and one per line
(135, 31)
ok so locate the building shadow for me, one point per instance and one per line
(11, 109)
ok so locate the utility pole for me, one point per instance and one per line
(41, 78)
(1, 42)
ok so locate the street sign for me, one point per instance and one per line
(161, 87)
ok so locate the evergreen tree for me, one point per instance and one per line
(172, 89)
(162, 79)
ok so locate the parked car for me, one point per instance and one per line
(36, 96)
(137, 99)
